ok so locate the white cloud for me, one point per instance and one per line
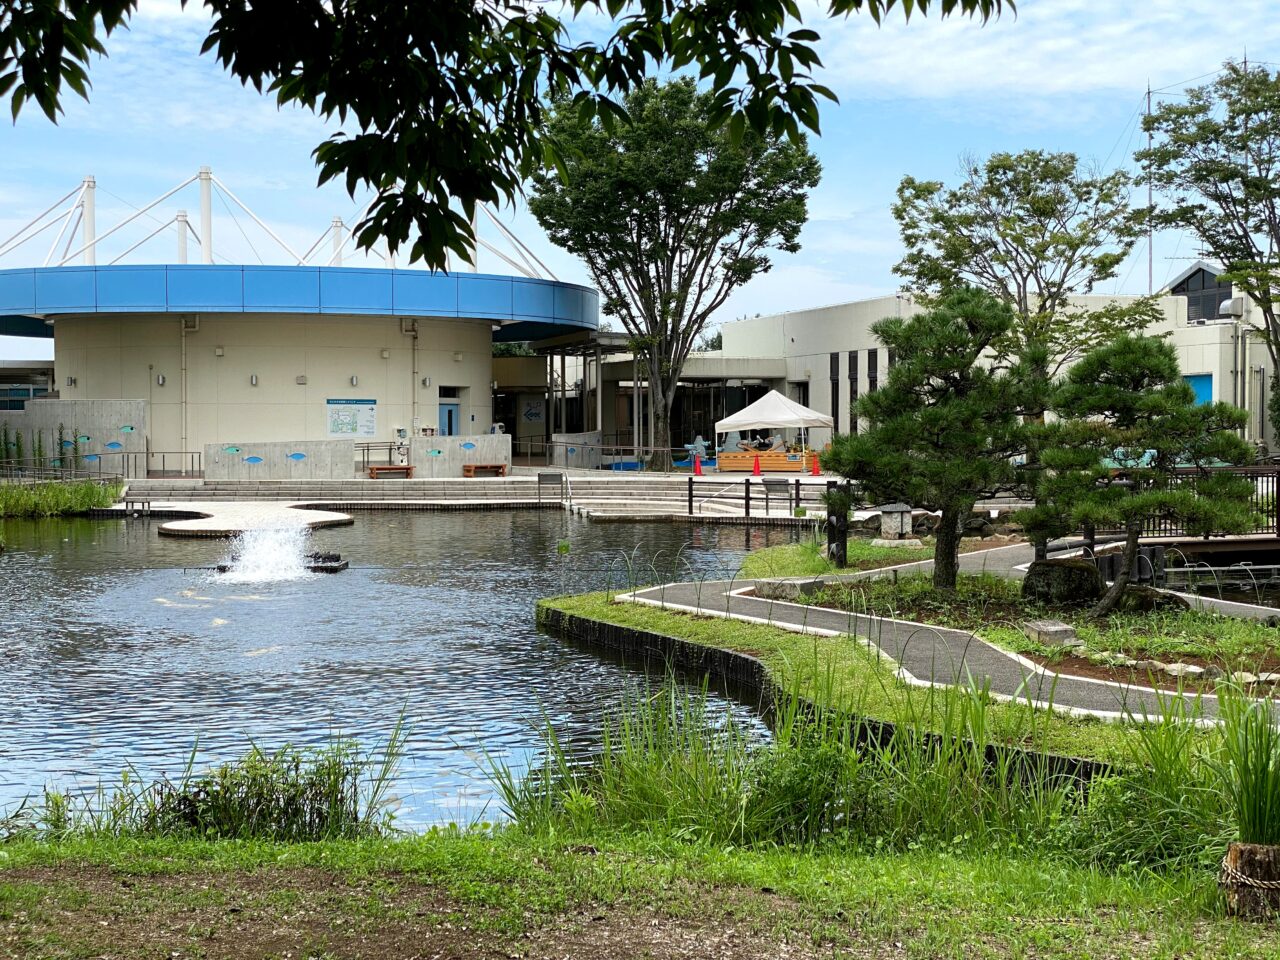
(1051, 49)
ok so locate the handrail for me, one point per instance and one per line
(734, 485)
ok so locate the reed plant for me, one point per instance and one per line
(55, 498)
(289, 794)
(1249, 766)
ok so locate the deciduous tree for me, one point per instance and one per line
(671, 215)
(443, 101)
(1216, 158)
(1035, 230)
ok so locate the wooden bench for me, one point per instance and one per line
(138, 505)
(484, 470)
(403, 469)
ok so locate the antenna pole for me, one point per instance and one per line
(1150, 228)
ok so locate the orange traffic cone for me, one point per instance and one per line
(755, 467)
(697, 465)
(816, 471)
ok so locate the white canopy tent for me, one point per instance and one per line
(774, 410)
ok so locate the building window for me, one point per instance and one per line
(853, 389)
(835, 392)
(873, 370)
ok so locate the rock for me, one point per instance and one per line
(977, 527)
(1212, 673)
(1062, 581)
(787, 588)
(1269, 678)
(1244, 678)
(925, 525)
(1138, 599)
(1008, 529)
(1183, 670)
(878, 542)
(1150, 666)
(1052, 633)
(1113, 659)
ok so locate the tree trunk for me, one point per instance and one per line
(946, 551)
(661, 404)
(1250, 878)
(1108, 601)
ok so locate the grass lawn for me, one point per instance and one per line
(465, 896)
(993, 608)
(805, 559)
(848, 675)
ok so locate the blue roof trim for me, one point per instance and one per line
(529, 308)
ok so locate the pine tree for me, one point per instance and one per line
(945, 426)
(1132, 444)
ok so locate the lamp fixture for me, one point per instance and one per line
(426, 381)
(253, 379)
(386, 354)
(159, 379)
(457, 356)
(355, 381)
(71, 381)
(219, 352)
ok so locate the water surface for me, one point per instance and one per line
(116, 652)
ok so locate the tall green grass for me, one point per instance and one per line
(944, 777)
(55, 498)
(289, 794)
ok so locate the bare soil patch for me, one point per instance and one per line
(78, 911)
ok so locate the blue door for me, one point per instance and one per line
(1202, 384)
(449, 419)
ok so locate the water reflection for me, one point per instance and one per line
(117, 651)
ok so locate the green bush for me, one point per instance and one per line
(55, 498)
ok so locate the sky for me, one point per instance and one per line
(915, 97)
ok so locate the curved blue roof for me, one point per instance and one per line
(528, 309)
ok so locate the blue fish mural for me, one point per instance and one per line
(126, 429)
(572, 451)
(434, 453)
(84, 439)
(297, 456)
(68, 443)
(114, 445)
(468, 445)
(252, 459)
(230, 449)
(91, 458)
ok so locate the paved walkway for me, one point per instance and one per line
(927, 655)
(214, 519)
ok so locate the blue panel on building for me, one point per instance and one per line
(281, 290)
(484, 297)
(345, 290)
(418, 292)
(535, 298)
(132, 289)
(67, 290)
(568, 303)
(1202, 384)
(205, 288)
(17, 291)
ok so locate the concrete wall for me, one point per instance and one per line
(116, 431)
(207, 395)
(303, 460)
(444, 456)
(580, 450)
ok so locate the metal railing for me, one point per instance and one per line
(750, 490)
(1264, 499)
(112, 464)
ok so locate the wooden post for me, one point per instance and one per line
(691, 496)
(746, 497)
(1250, 879)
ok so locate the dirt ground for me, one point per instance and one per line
(93, 912)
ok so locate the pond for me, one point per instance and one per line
(117, 653)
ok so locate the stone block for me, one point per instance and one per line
(1184, 670)
(1062, 581)
(1051, 633)
(880, 542)
(787, 588)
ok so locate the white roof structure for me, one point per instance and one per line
(774, 410)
